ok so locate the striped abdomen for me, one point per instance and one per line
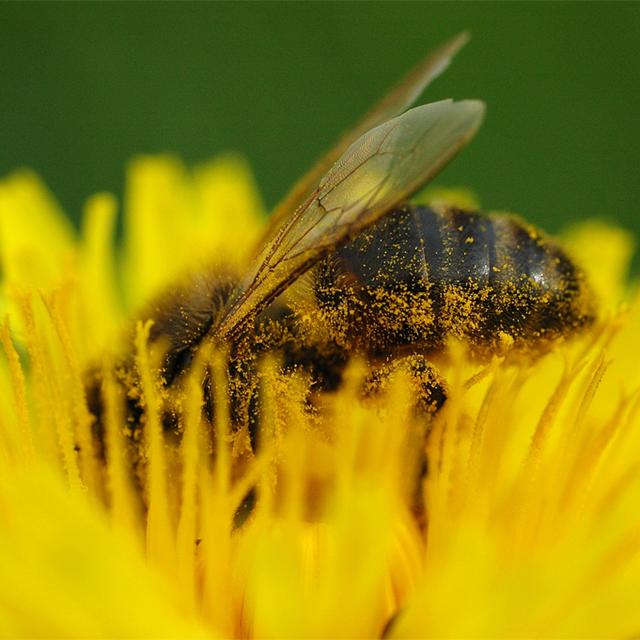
(421, 275)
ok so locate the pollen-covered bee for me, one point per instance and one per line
(387, 281)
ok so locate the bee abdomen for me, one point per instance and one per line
(422, 274)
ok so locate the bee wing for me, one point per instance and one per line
(400, 98)
(379, 170)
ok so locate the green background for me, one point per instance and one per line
(84, 87)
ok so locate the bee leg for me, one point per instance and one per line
(430, 394)
(431, 387)
(428, 384)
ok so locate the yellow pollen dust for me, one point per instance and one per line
(509, 512)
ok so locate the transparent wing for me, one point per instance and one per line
(398, 100)
(379, 170)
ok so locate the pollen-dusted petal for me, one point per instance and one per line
(605, 253)
(461, 197)
(157, 208)
(22, 432)
(532, 547)
(124, 505)
(102, 305)
(37, 242)
(66, 573)
(160, 532)
(620, 341)
(231, 212)
(175, 221)
(509, 511)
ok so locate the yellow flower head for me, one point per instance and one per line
(525, 523)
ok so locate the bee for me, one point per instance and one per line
(389, 281)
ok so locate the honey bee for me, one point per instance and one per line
(388, 281)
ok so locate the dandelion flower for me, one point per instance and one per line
(531, 497)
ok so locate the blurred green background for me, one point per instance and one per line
(84, 87)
